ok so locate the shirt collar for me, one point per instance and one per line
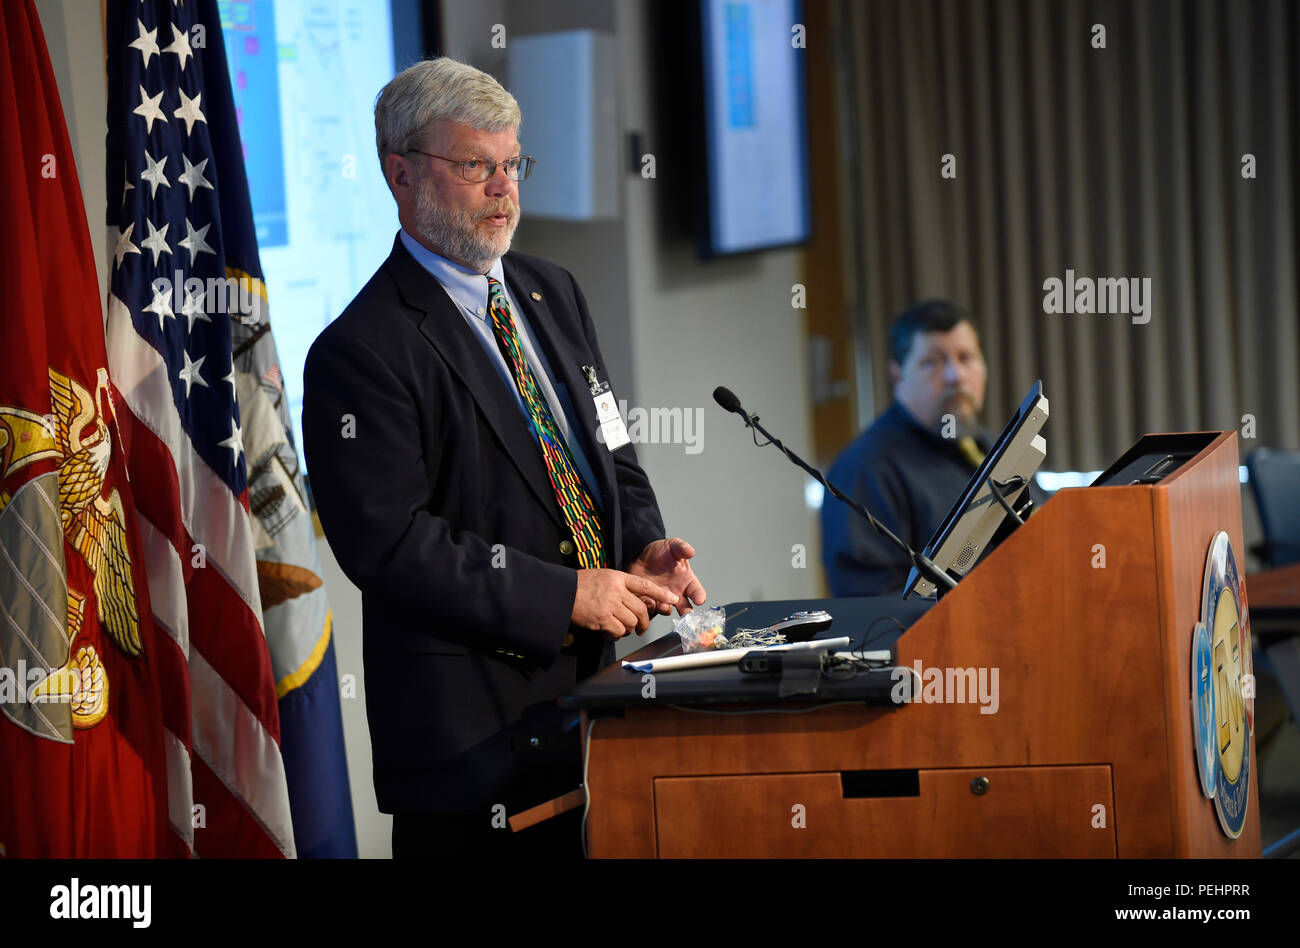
(467, 288)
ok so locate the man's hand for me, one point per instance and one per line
(666, 562)
(614, 602)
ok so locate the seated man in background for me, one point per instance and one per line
(911, 465)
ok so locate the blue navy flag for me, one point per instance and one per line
(233, 567)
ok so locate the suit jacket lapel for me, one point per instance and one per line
(444, 327)
(566, 362)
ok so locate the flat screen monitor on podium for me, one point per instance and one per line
(971, 523)
(1154, 457)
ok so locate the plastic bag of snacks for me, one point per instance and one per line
(702, 629)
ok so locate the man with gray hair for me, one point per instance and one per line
(475, 482)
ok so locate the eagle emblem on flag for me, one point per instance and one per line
(77, 434)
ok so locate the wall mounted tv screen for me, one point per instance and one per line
(755, 125)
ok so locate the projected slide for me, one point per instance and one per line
(305, 76)
(755, 120)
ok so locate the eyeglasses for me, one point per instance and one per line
(478, 170)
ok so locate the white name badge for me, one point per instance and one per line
(614, 434)
(612, 430)
(606, 407)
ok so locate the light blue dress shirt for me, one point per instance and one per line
(468, 289)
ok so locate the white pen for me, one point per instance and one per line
(728, 656)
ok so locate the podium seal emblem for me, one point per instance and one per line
(1221, 616)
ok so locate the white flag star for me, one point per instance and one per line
(153, 173)
(147, 43)
(192, 308)
(236, 440)
(192, 176)
(124, 245)
(148, 107)
(230, 376)
(180, 45)
(156, 241)
(194, 241)
(189, 374)
(189, 112)
(162, 305)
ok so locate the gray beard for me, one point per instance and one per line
(456, 236)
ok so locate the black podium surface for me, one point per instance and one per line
(874, 623)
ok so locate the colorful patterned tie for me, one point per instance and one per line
(575, 502)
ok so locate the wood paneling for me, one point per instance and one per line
(835, 421)
(806, 815)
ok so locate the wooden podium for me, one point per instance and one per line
(1090, 751)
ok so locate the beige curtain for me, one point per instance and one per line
(1117, 162)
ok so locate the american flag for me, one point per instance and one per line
(170, 313)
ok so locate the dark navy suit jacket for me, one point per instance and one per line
(436, 502)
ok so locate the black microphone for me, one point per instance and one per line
(942, 581)
(728, 400)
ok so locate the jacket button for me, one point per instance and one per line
(566, 547)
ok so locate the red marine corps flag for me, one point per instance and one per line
(82, 744)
